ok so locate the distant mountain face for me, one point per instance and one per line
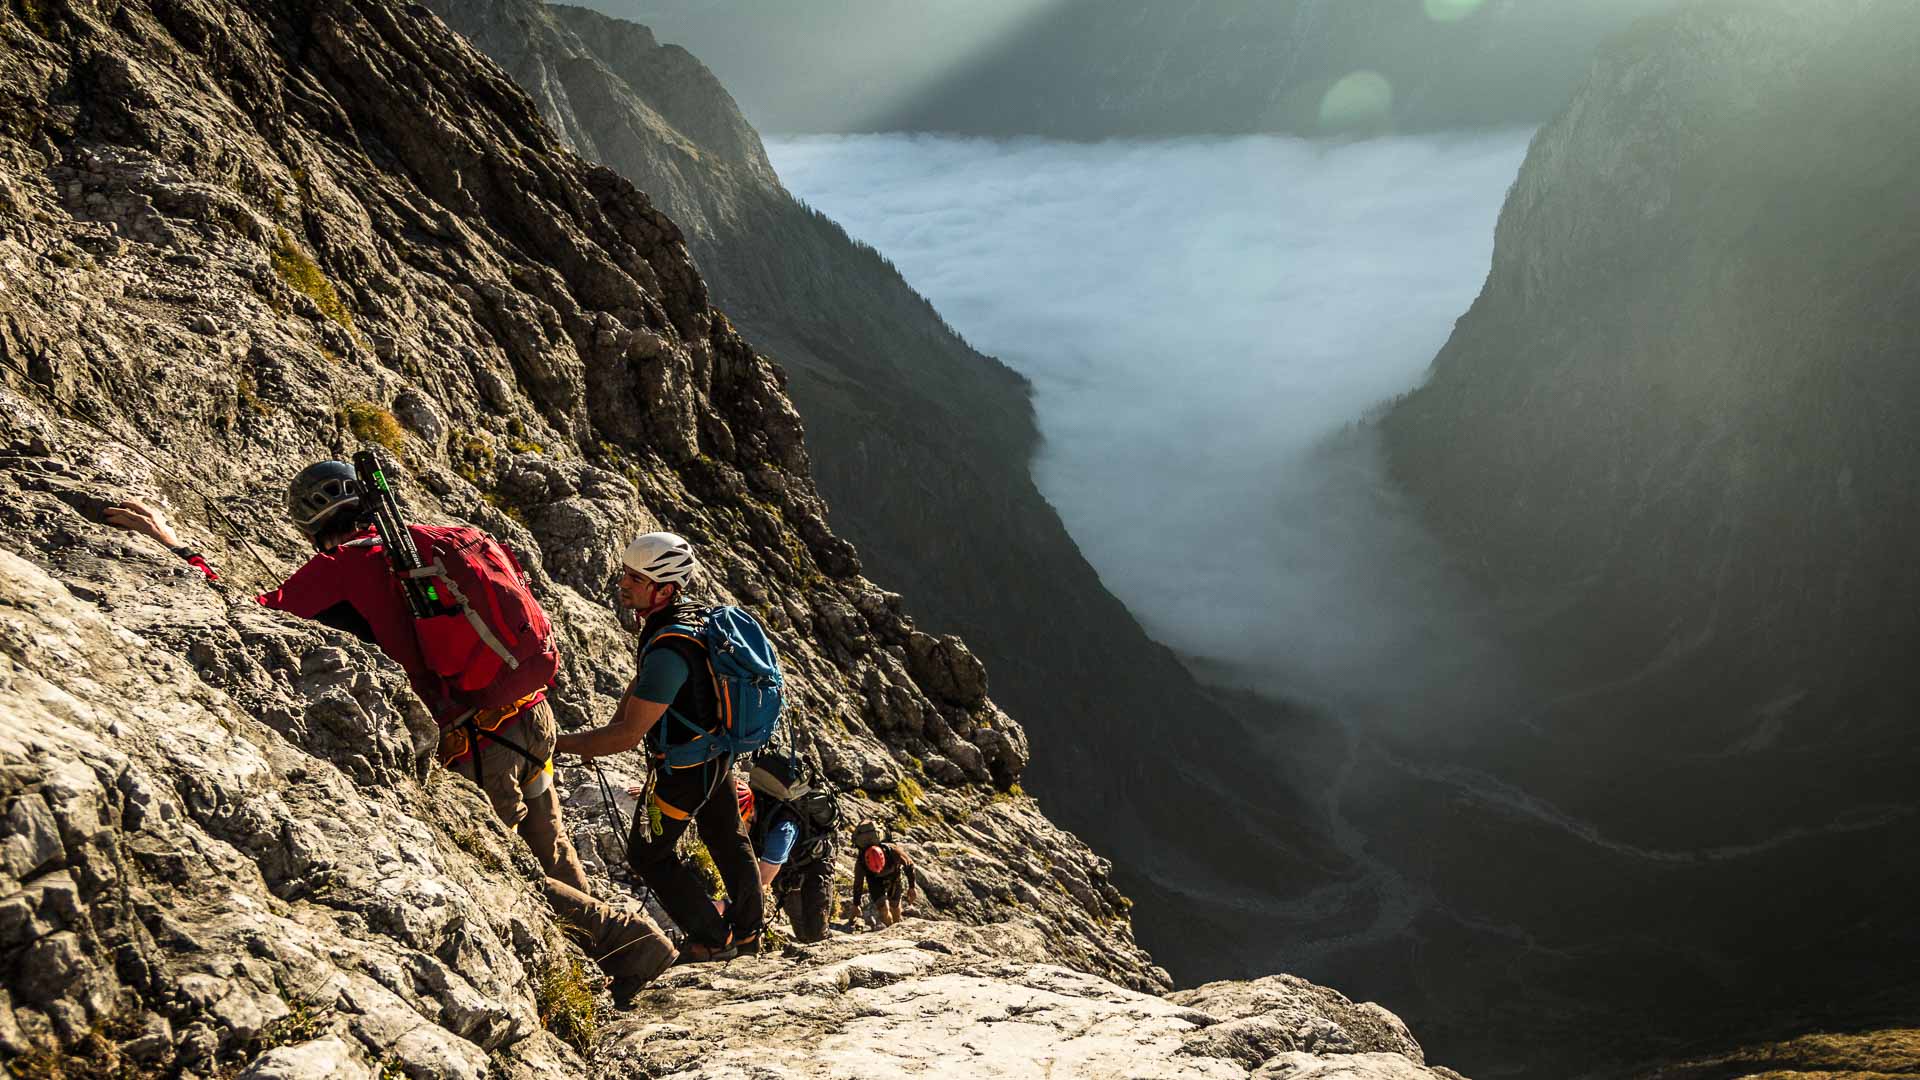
(1085, 69)
(1674, 436)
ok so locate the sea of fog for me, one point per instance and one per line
(1204, 321)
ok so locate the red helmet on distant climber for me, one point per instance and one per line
(875, 859)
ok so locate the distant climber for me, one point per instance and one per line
(658, 567)
(348, 585)
(889, 870)
(792, 830)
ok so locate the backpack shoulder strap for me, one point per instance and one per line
(684, 641)
(676, 636)
(803, 829)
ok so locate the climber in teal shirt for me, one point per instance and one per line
(664, 706)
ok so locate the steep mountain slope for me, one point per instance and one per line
(922, 447)
(1086, 69)
(1673, 438)
(240, 236)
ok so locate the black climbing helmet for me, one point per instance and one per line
(320, 491)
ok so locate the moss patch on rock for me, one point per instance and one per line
(565, 1001)
(303, 275)
(372, 424)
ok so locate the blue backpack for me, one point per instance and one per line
(746, 685)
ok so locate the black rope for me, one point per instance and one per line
(613, 808)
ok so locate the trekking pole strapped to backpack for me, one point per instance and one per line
(377, 495)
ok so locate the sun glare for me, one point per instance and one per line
(1358, 99)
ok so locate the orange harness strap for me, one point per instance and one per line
(456, 742)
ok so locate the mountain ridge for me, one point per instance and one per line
(1095, 69)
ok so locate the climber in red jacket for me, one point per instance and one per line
(349, 585)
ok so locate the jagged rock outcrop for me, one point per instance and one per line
(956, 1001)
(193, 873)
(1673, 440)
(922, 446)
(1090, 69)
(240, 236)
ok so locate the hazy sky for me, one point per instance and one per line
(1056, 66)
(1200, 317)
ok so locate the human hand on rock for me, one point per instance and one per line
(136, 516)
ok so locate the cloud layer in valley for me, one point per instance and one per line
(1202, 319)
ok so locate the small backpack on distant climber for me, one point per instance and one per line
(816, 813)
(865, 835)
(492, 644)
(746, 682)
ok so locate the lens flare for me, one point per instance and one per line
(1358, 99)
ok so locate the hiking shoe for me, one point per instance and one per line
(626, 988)
(655, 956)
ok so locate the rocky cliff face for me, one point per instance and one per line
(1090, 69)
(922, 445)
(238, 237)
(221, 859)
(1673, 438)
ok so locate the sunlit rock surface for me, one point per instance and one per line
(985, 1002)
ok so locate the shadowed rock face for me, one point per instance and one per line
(922, 447)
(1673, 438)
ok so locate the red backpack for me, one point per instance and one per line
(494, 645)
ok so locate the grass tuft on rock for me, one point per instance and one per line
(472, 454)
(908, 793)
(565, 1002)
(372, 424)
(305, 1020)
(95, 1055)
(304, 276)
(35, 13)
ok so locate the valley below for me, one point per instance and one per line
(1210, 327)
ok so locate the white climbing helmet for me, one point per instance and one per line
(661, 556)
